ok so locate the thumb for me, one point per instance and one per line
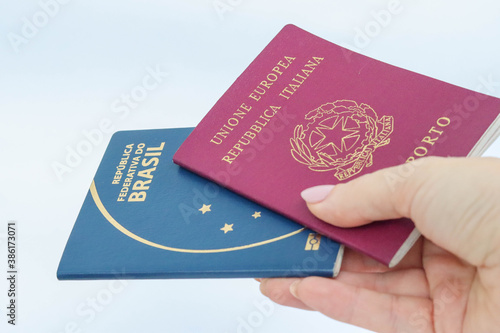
(452, 201)
(368, 198)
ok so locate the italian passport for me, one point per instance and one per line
(145, 217)
(307, 112)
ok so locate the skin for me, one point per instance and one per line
(448, 282)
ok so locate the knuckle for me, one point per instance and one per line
(278, 296)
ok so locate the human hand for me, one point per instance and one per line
(448, 282)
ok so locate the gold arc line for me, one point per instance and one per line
(107, 216)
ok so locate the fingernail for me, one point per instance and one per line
(316, 194)
(293, 288)
(258, 279)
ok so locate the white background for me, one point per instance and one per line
(68, 74)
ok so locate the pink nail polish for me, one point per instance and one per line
(316, 194)
(293, 288)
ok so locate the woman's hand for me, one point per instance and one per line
(448, 282)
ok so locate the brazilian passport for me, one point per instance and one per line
(145, 217)
(308, 112)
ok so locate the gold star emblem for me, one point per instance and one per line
(256, 215)
(205, 208)
(346, 134)
(227, 228)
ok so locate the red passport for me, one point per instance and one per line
(307, 112)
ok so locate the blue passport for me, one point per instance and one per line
(145, 217)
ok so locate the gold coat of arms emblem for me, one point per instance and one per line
(340, 137)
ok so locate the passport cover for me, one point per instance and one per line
(145, 217)
(307, 112)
